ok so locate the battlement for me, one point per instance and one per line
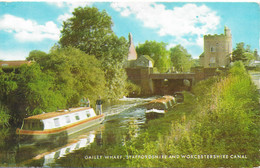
(227, 33)
(215, 35)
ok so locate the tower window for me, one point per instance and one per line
(212, 60)
(212, 49)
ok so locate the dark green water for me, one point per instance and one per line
(123, 121)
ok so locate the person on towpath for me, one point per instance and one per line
(99, 106)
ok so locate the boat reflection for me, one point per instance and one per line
(69, 148)
(53, 152)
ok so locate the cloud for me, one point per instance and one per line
(64, 17)
(13, 55)
(178, 22)
(28, 30)
(71, 5)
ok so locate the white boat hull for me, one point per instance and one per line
(59, 134)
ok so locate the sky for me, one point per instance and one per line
(34, 25)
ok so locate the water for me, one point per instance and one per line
(123, 121)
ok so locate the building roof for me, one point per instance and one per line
(56, 113)
(148, 58)
(14, 63)
(132, 55)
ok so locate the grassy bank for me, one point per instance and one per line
(221, 127)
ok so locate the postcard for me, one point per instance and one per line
(129, 84)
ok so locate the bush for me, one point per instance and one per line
(4, 116)
(132, 88)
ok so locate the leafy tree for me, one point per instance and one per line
(116, 81)
(158, 52)
(4, 116)
(196, 62)
(7, 86)
(36, 92)
(256, 55)
(240, 53)
(181, 59)
(76, 74)
(91, 31)
(36, 55)
(88, 30)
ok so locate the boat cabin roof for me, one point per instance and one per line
(164, 99)
(168, 97)
(56, 113)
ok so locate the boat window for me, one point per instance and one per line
(165, 106)
(170, 103)
(158, 106)
(67, 119)
(67, 150)
(173, 100)
(26, 125)
(56, 122)
(77, 117)
(57, 155)
(33, 125)
(87, 114)
(77, 146)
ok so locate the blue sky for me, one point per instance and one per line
(27, 26)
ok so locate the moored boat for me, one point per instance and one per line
(58, 125)
(159, 107)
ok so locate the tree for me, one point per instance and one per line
(181, 59)
(196, 62)
(7, 86)
(87, 30)
(158, 52)
(36, 55)
(91, 31)
(256, 55)
(36, 91)
(240, 53)
(76, 74)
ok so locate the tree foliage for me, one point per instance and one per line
(242, 53)
(76, 74)
(36, 92)
(87, 30)
(181, 59)
(36, 55)
(91, 31)
(158, 52)
(54, 81)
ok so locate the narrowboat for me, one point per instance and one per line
(159, 107)
(55, 126)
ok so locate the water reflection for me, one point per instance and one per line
(47, 154)
(123, 122)
(50, 157)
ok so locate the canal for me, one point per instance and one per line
(123, 121)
